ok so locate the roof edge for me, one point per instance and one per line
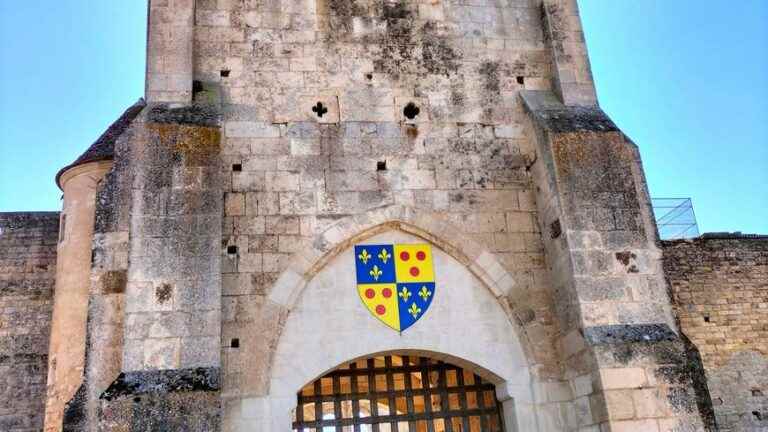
(103, 148)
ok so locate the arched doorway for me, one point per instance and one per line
(398, 394)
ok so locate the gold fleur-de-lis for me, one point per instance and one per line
(375, 272)
(414, 310)
(404, 294)
(384, 256)
(424, 293)
(364, 256)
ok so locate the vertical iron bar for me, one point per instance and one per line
(425, 384)
(318, 404)
(390, 388)
(355, 401)
(480, 396)
(462, 399)
(409, 395)
(337, 415)
(442, 387)
(372, 390)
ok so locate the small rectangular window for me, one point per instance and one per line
(62, 228)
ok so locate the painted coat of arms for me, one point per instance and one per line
(396, 282)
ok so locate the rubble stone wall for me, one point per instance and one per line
(720, 291)
(27, 278)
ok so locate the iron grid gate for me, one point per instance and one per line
(398, 394)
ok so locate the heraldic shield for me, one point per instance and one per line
(396, 282)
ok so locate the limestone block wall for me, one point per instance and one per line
(27, 277)
(720, 289)
(169, 51)
(318, 98)
(572, 73)
(173, 290)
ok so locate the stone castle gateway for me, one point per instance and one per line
(200, 275)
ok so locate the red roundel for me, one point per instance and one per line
(405, 256)
(386, 292)
(381, 310)
(370, 293)
(414, 271)
(421, 256)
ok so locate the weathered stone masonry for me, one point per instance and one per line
(276, 134)
(720, 288)
(27, 276)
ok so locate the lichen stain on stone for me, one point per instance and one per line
(586, 150)
(403, 45)
(194, 145)
(491, 97)
(553, 16)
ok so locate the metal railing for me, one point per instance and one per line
(675, 218)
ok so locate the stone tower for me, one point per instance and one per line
(208, 275)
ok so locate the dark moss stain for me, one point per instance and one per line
(624, 257)
(341, 8)
(163, 293)
(437, 57)
(406, 46)
(74, 416)
(167, 400)
(397, 10)
(490, 72)
(555, 229)
(457, 96)
(130, 384)
(491, 96)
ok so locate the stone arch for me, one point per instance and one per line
(510, 371)
(312, 256)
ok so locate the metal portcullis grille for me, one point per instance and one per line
(398, 394)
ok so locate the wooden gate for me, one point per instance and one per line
(398, 394)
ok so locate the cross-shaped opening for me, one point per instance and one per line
(411, 111)
(319, 109)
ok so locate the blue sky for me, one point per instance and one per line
(686, 80)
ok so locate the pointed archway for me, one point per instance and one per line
(325, 326)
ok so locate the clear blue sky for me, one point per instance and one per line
(686, 80)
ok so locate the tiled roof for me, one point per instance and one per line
(104, 147)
